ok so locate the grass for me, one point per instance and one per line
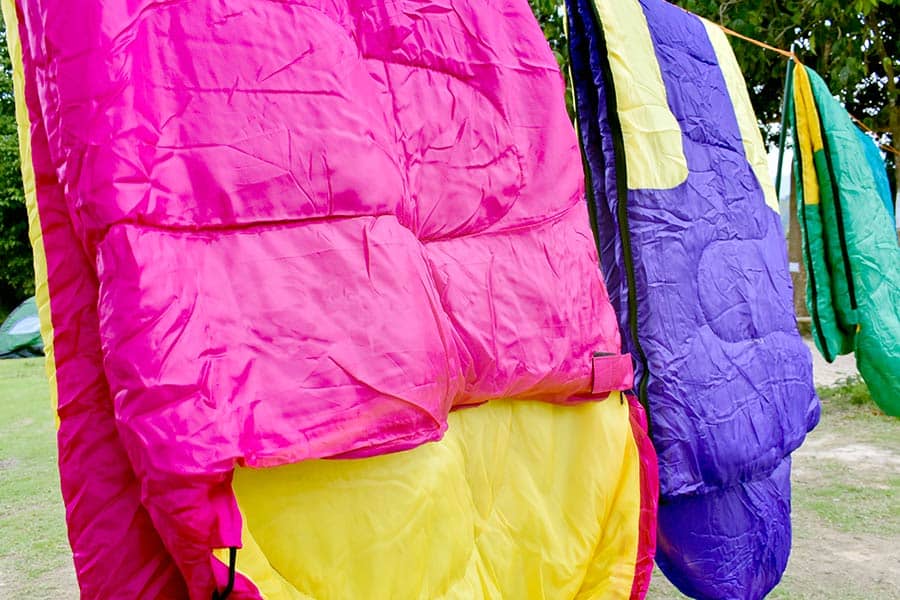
(846, 395)
(32, 526)
(845, 499)
(857, 509)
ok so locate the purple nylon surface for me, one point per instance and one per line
(730, 380)
(727, 349)
(756, 516)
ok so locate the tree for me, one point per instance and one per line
(16, 270)
(551, 15)
(853, 44)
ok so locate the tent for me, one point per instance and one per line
(20, 334)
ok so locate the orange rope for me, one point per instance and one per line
(734, 33)
(792, 56)
(865, 127)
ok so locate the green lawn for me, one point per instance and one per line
(846, 499)
(34, 557)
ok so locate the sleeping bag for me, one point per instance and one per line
(271, 233)
(695, 261)
(849, 241)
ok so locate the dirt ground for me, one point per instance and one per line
(825, 374)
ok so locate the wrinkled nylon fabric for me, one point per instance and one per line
(225, 281)
(116, 550)
(699, 271)
(849, 241)
(832, 337)
(879, 169)
(754, 150)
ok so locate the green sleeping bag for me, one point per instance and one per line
(849, 242)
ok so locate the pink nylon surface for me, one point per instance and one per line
(116, 548)
(613, 372)
(307, 229)
(643, 568)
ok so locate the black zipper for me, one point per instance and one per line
(621, 201)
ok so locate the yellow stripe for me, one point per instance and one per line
(35, 232)
(654, 150)
(803, 96)
(754, 148)
(809, 136)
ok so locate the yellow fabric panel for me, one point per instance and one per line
(42, 288)
(809, 135)
(519, 500)
(654, 151)
(603, 578)
(754, 147)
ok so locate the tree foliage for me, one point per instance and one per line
(16, 270)
(853, 44)
(551, 15)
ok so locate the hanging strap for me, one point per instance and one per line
(612, 373)
(232, 561)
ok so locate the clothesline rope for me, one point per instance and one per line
(865, 127)
(793, 56)
(734, 33)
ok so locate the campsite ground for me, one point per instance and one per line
(846, 498)
(846, 506)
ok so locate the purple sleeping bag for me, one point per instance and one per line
(695, 260)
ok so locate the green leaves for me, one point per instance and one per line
(551, 15)
(16, 270)
(852, 43)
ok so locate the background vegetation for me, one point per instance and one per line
(16, 271)
(853, 44)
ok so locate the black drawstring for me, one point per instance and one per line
(232, 560)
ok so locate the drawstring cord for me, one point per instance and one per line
(232, 560)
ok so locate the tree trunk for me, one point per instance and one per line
(895, 142)
(795, 254)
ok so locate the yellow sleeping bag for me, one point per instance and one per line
(519, 500)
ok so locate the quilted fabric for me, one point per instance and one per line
(519, 500)
(850, 245)
(696, 265)
(269, 232)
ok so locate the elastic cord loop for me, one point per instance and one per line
(232, 561)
